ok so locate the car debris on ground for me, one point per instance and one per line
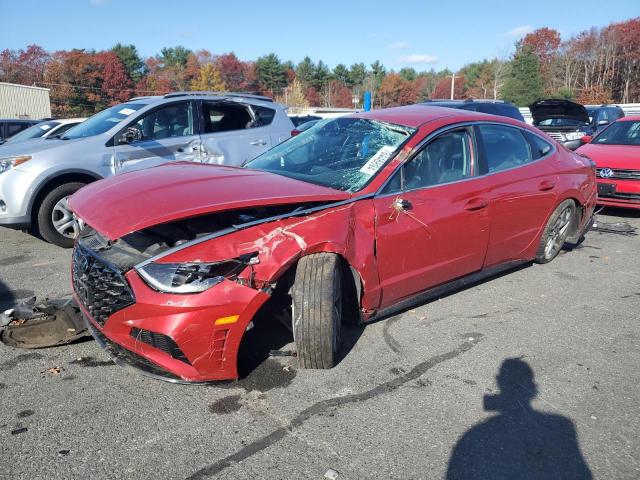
(32, 324)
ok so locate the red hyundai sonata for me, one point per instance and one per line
(616, 151)
(352, 220)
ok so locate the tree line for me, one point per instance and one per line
(600, 65)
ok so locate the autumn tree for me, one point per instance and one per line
(208, 79)
(395, 91)
(443, 88)
(544, 43)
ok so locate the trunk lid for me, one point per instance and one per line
(133, 201)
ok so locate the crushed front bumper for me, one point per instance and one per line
(179, 338)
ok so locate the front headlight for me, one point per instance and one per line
(193, 277)
(574, 135)
(8, 163)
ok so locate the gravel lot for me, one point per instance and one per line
(397, 406)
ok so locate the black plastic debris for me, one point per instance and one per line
(49, 323)
(18, 430)
(621, 228)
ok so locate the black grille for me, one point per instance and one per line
(161, 342)
(101, 288)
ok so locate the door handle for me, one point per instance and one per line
(258, 143)
(476, 204)
(546, 185)
(180, 150)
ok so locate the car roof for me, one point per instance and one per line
(233, 97)
(19, 120)
(419, 114)
(630, 118)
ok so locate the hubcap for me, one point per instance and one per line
(63, 220)
(558, 233)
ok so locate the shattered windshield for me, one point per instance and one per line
(342, 153)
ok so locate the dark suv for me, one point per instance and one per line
(9, 127)
(494, 107)
(567, 122)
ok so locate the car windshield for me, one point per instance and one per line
(103, 121)
(560, 122)
(35, 131)
(341, 153)
(620, 133)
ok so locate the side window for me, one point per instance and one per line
(224, 117)
(603, 116)
(13, 128)
(264, 116)
(504, 147)
(445, 159)
(175, 120)
(64, 128)
(539, 148)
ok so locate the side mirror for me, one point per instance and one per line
(603, 122)
(130, 135)
(586, 139)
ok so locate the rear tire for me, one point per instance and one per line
(556, 232)
(317, 307)
(53, 212)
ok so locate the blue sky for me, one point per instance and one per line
(421, 34)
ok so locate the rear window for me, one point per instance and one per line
(264, 116)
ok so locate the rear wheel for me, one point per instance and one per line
(317, 308)
(556, 232)
(56, 223)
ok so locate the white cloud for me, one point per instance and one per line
(518, 32)
(398, 45)
(415, 58)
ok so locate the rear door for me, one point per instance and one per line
(521, 167)
(169, 134)
(232, 133)
(432, 222)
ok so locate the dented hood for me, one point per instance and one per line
(133, 201)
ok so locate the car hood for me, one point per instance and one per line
(32, 146)
(133, 201)
(557, 108)
(625, 157)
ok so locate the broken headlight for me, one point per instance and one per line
(193, 277)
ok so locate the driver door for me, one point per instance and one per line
(432, 219)
(169, 134)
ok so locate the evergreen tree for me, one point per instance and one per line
(271, 73)
(304, 71)
(133, 64)
(523, 84)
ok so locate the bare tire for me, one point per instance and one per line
(55, 221)
(556, 232)
(317, 310)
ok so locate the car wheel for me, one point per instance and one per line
(556, 232)
(316, 310)
(56, 223)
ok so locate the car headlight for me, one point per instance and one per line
(574, 135)
(193, 277)
(8, 163)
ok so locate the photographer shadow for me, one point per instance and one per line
(519, 442)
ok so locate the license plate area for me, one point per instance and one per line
(606, 189)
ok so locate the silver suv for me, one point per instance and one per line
(220, 128)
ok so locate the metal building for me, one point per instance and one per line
(23, 101)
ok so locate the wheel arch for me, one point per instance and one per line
(55, 180)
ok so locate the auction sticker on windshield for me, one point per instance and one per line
(378, 160)
(126, 111)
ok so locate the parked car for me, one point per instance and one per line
(36, 179)
(300, 119)
(46, 129)
(349, 221)
(493, 107)
(616, 152)
(567, 122)
(9, 127)
(303, 126)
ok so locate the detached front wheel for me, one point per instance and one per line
(317, 310)
(56, 223)
(556, 232)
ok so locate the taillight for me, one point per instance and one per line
(294, 132)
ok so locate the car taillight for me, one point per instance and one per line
(294, 132)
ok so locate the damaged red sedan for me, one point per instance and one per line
(352, 220)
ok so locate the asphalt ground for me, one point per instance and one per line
(533, 374)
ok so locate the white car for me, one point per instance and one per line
(46, 129)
